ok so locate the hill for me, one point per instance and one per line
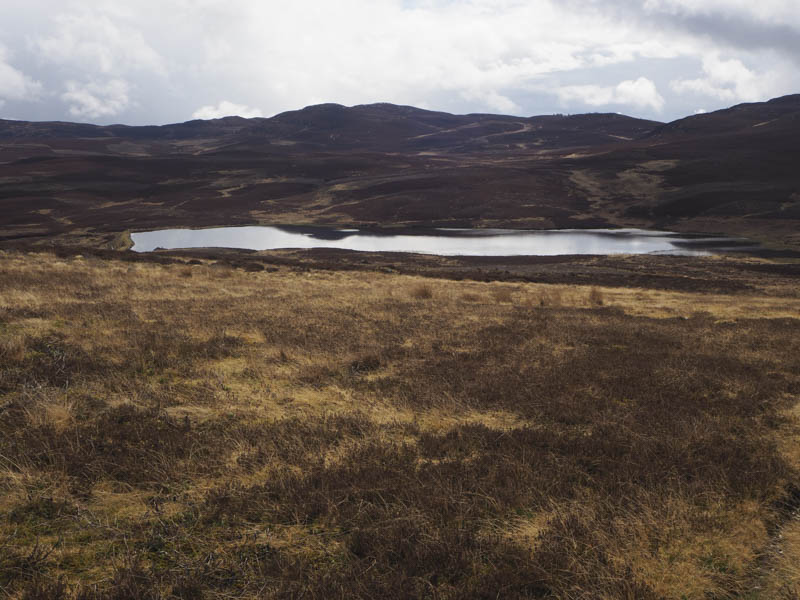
(381, 164)
(378, 127)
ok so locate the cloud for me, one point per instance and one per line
(94, 99)
(95, 42)
(492, 100)
(14, 84)
(732, 24)
(640, 93)
(226, 109)
(728, 80)
(477, 54)
(511, 56)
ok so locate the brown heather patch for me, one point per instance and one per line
(595, 297)
(421, 291)
(503, 294)
(177, 431)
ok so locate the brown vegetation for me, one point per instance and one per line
(186, 431)
(421, 291)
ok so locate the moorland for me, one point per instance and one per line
(732, 171)
(332, 424)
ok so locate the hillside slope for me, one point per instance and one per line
(380, 164)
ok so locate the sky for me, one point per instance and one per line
(167, 61)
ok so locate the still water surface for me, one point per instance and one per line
(445, 242)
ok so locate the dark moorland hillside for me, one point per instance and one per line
(730, 171)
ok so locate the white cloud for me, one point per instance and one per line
(492, 100)
(640, 93)
(96, 42)
(282, 56)
(729, 80)
(456, 55)
(14, 84)
(500, 103)
(226, 109)
(94, 99)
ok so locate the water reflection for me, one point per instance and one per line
(446, 242)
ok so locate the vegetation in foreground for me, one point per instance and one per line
(177, 431)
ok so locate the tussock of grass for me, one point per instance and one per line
(551, 298)
(195, 431)
(421, 291)
(595, 297)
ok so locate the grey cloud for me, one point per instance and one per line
(744, 33)
(730, 27)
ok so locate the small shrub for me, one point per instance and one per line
(13, 348)
(595, 297)
(422, 291)
(551, 298)
(365, 365)
(221, 270)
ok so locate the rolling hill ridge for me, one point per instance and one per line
(731, 171)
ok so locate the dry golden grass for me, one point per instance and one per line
(784, 580)
(199, 431)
